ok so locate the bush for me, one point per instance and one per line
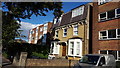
(38, 55)
(5, 54)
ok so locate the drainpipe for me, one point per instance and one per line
(85, 36)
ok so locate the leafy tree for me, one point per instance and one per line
(14, 11)
(27, 9)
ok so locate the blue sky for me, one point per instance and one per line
(28, 24)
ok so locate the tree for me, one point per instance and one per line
(27, 9)
(14, 11)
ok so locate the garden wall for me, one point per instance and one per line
(49, 62)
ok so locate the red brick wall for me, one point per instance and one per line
(99, 26)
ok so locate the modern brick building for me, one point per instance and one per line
(40, 34)
(106, 28)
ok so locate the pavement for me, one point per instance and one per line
(7, 64)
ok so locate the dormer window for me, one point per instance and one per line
(77, 11)
(57, 20)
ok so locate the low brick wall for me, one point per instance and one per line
(49, 62)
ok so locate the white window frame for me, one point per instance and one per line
(45, 28)
(40, 36)
(107, 35)
(56, 34)
(75, 30)
(56, 47)
(71, 48)
(74, 47)
(117, 54)
(103, 36)
(116, 12)
(32, 32)
(100, 2)
(41, 29)
(106, 18)
(117, 33)
(55, 21)
(65, 32)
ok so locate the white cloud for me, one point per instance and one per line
(26, 26)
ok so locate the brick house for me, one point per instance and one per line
(40, 34)
(71, 33)
(106, 28)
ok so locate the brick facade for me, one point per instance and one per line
(106, 25)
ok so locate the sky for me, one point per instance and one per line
(27, 24)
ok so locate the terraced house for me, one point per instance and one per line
(71, 33)
(106, 28)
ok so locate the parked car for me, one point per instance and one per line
(96, 61)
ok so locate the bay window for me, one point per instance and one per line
(75, 47)
(71, 48)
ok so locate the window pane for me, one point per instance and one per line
(111, 14)
(112, 33)
(118, 31)
(65, 30)
(113, 53)
(118, 11)
(56, 33)
(78, 48)
(71, 47)
(103, 52)
(119, 53)
(103, 15)
(103, 33)
(78, 51)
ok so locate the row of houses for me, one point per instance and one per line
(92, 28)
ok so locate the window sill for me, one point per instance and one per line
(64, 36)
(108, 19)
(74, 56)
(110, 39)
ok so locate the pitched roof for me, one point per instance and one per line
(67, 17)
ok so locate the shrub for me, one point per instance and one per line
(39, 55)
(5, 54)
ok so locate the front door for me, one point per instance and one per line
(64, 51)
